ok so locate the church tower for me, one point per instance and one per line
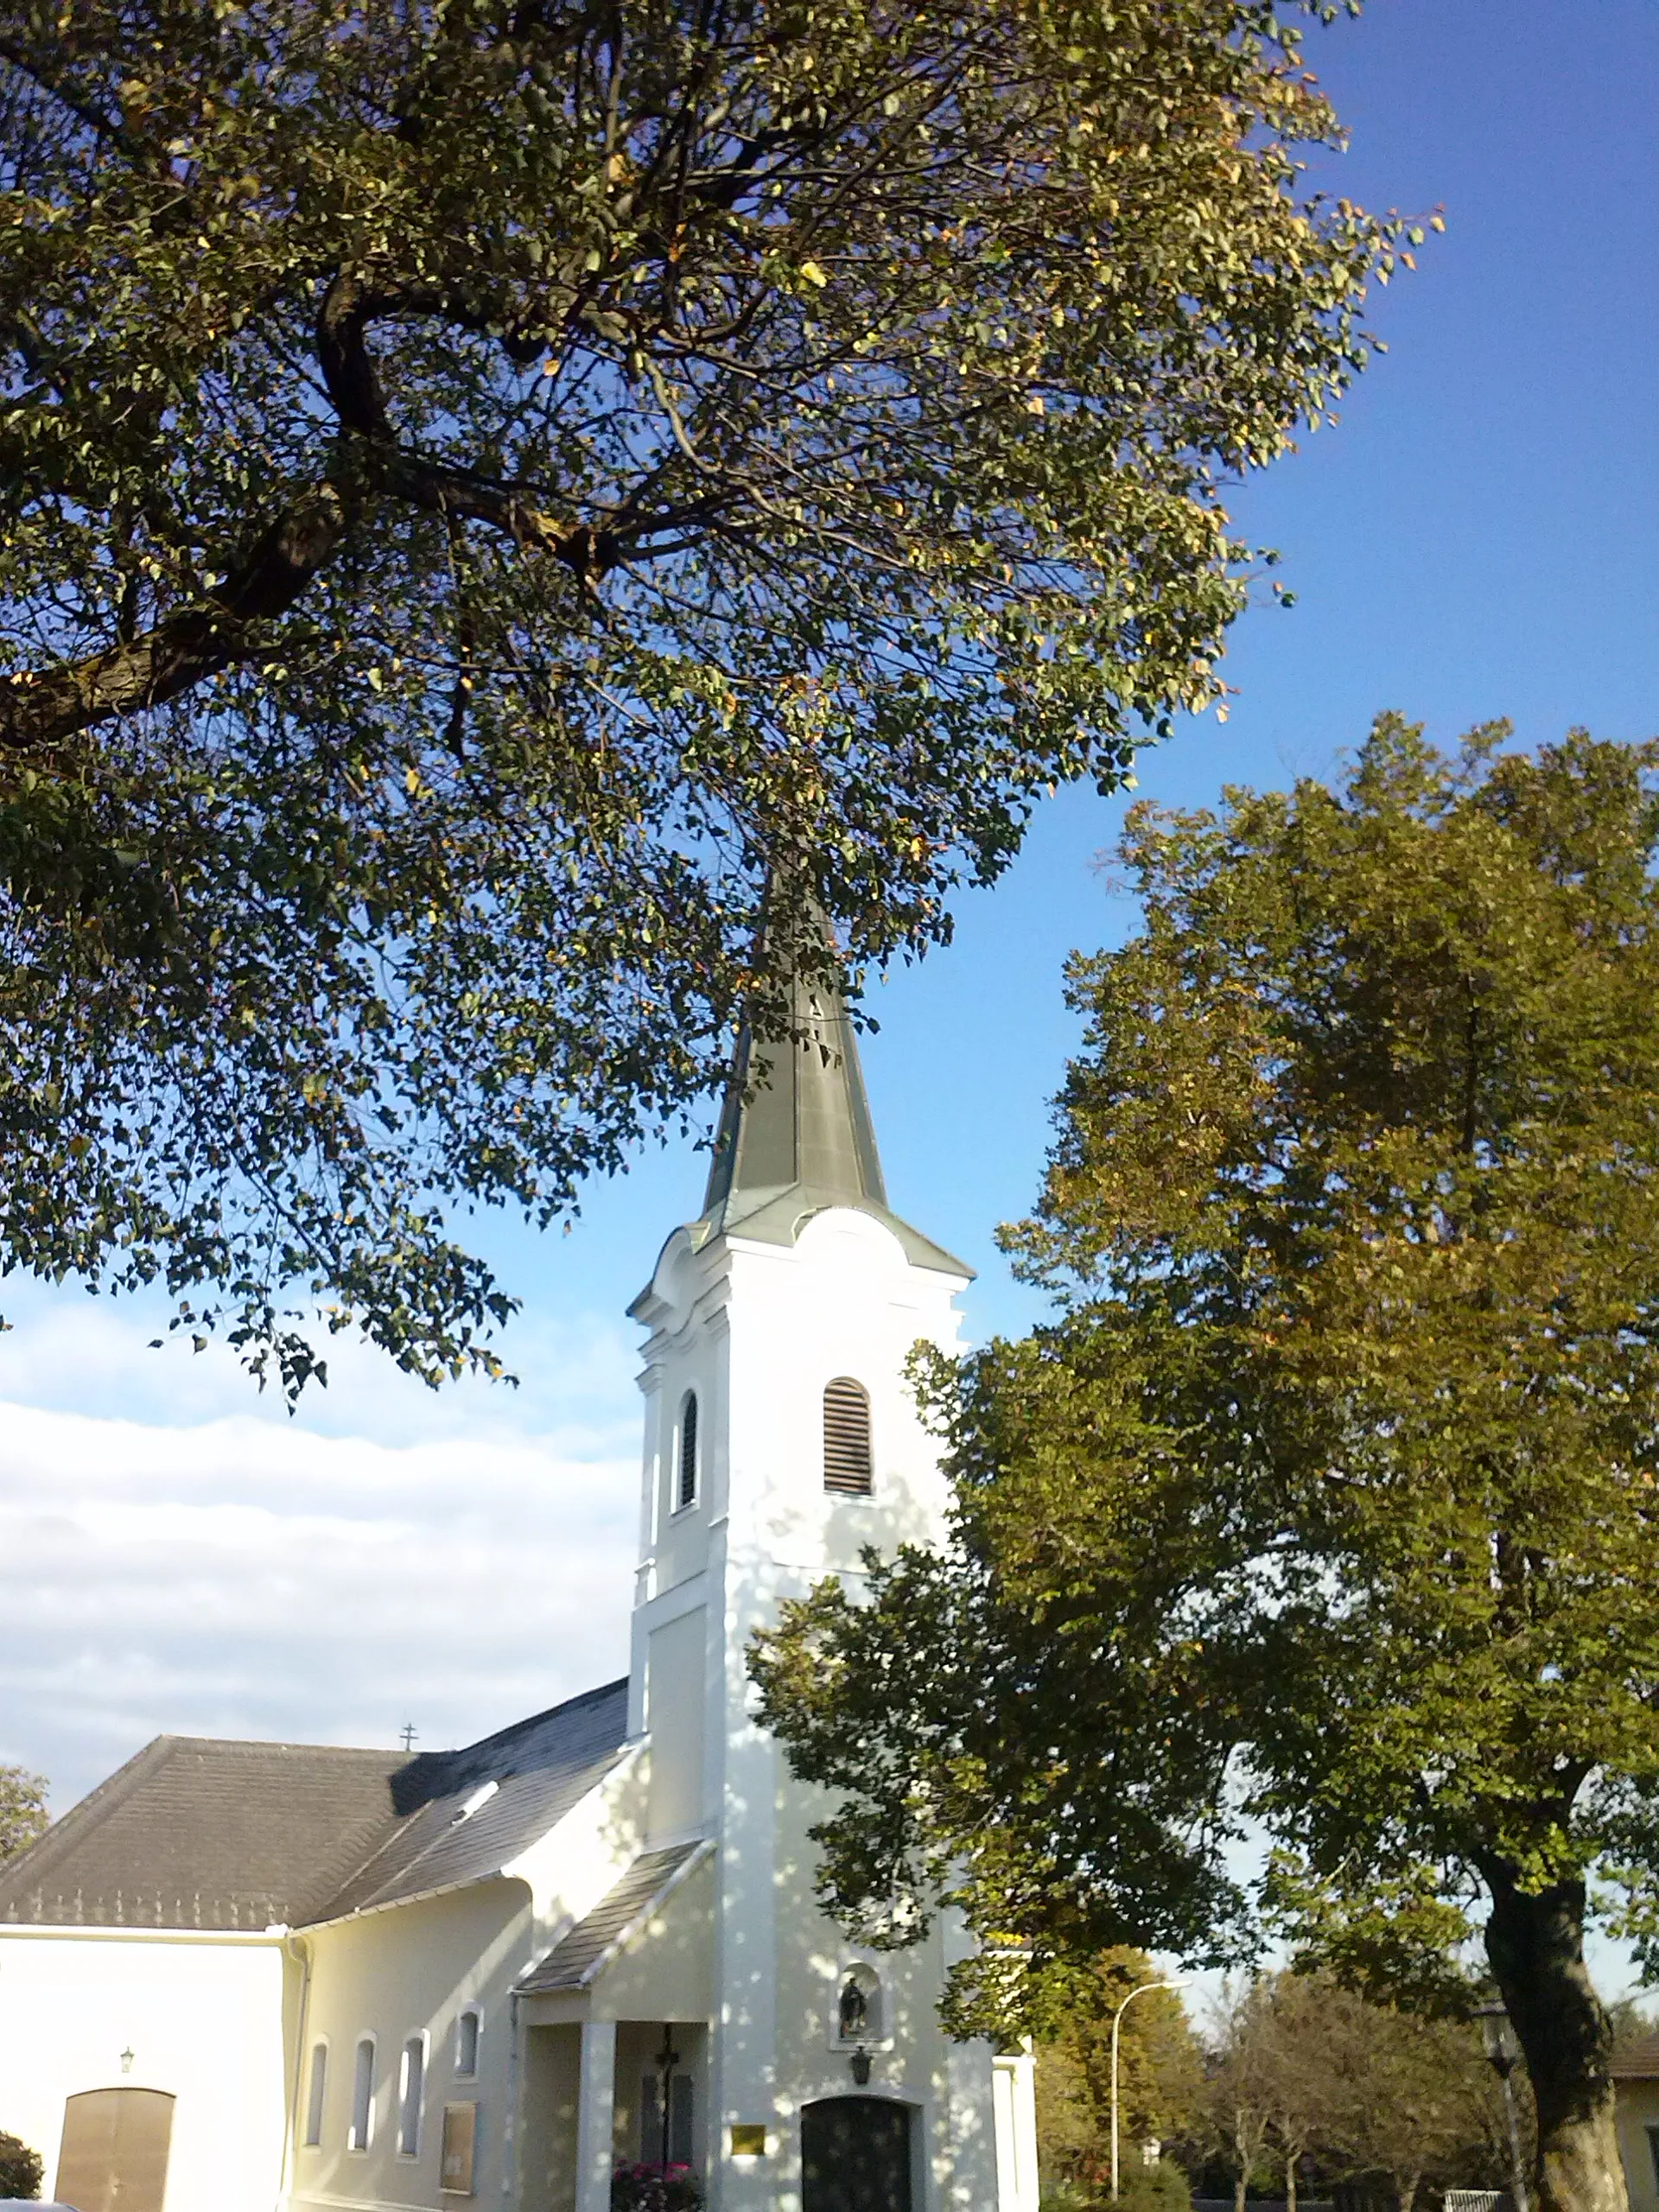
(781, 1440)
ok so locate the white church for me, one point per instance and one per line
(252, 1977)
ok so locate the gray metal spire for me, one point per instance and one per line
(805, 1139)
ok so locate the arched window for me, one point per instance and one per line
(362, 2126)
(467, 2035)
(317, 2094)
(412, 2091)
(685, 1488)
(847, 1465)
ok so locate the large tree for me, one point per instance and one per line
(1326, 1501)
(484, 483)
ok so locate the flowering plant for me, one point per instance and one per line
(644, 2187)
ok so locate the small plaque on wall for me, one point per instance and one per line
(460, 2135)
(748, 2138)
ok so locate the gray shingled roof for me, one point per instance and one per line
(1637, 2061)
(541, 1767)
(583, 1950)
(198, 1833)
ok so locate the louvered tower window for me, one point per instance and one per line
(848, 1466)
(686, 1491)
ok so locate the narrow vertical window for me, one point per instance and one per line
(411, 2089)
(686, 1488)
(677, 2144)
(679, 2121)
(847, 1465)
(467, 2029)
(362, 2097)
(316, 2094)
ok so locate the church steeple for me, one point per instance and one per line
(809, 1121)
(803, 1141)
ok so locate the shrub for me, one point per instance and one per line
(1162, 2188)
(19, 2168)
(655, 2189)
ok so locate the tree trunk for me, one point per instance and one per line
(1536, 1944)
(1241, 2179)
(1290, 2181)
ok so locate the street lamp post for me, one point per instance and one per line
(1139, 1990)
(1501, 2054)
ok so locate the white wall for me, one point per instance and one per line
(203, 2019)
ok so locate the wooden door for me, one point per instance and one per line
(113, 2155)
(856, 2156)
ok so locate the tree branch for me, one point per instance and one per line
(91, 118)
(349, 307)
(39, 710)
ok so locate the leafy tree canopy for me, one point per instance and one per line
(21, 2168)
(1326, 1501)
(1305, 2074)
(484, 483)
(22, 1809)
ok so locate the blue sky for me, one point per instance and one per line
(1479, 537)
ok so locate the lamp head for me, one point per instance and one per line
(1499, 2038)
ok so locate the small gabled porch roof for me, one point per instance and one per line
(584, 1951)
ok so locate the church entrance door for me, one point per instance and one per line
(113, 2155)
(856, 2156)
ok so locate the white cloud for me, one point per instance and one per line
(247, 1575)
(66, 1350)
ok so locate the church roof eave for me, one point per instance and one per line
(795, 1139)
(778, 1217)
